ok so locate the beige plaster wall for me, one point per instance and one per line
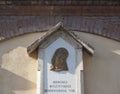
(102, 70)
(18, 72)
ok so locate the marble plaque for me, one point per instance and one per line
(60, 64)
(61, 69)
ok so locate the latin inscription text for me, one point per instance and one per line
(60, 86)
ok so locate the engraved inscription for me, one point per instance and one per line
(60, 86)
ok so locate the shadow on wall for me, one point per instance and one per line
(18, 72)
(10, 82)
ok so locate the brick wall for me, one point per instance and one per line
(60, 7)
(98, 17)
(11, 26)
(60, 10)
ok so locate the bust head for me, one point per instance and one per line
(59, 60)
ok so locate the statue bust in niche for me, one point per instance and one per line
(59, 62)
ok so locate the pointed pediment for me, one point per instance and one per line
(54, 33)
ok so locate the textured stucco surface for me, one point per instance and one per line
(101, 71)
(18, 72)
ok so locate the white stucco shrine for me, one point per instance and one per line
(60, 81)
